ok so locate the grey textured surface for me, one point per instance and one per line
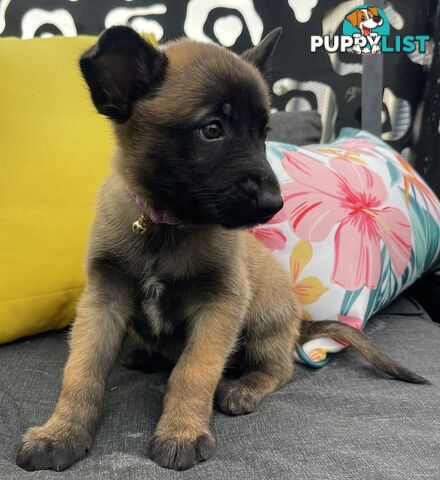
(298, 128)
(340, 422)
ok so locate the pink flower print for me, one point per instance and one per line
(353, 198)
(272, 237)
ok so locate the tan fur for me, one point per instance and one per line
(191, 387)
(92, 355)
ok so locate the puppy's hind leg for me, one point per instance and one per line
(67, 436)
(268, 364)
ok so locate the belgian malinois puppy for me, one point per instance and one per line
(190, 176)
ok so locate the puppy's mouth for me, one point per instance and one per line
(245, 220)
(230, 216)
(231, 221)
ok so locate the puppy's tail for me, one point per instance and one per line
(311, 330)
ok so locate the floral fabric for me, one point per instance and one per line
(358, 226)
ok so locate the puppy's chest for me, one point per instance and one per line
(161, 308)
(165, 301)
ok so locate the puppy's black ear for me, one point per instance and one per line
(261, 55)
(119, 69)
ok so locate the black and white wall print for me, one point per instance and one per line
(302, 80)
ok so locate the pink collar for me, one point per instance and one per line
(156, 216)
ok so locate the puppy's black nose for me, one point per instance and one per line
(377, 19)
(263, 198)
(268, 205)
(250, 186)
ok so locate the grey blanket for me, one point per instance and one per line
(340, 422)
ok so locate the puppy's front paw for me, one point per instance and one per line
(234, 398)
(38, 451)
(181, 454)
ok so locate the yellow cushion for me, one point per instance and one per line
(54, 152)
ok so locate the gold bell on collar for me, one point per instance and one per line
(139, 227)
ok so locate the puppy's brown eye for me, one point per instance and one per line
(212, 131)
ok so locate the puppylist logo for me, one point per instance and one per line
(366, 30)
